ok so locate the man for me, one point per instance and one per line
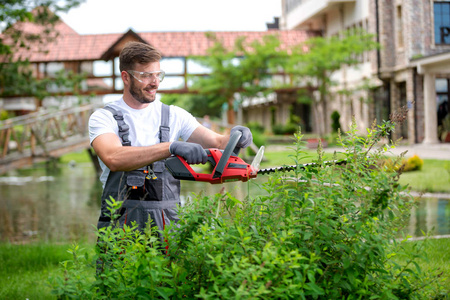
(133, 135)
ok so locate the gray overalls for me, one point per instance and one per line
(149, 194)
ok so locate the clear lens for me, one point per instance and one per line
(147, 77)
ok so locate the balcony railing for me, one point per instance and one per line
(290, 5)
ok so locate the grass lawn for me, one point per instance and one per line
(25, 269)
(434, 177)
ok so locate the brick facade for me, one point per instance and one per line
(418, 34)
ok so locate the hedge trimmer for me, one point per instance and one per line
(227, 166)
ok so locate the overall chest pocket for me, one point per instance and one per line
(144, 184)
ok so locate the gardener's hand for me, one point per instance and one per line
(246, 137)
(191, 152)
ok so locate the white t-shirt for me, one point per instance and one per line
(144, 125)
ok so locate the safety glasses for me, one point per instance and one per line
(147, 77)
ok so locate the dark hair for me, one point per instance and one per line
(137, 53)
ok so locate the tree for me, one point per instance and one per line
(200, 104)
(239, 70)
(319, 57)
(17, 77)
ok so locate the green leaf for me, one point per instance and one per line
(165, 292)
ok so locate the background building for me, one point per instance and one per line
(411, 69)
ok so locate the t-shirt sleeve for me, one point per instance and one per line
(100, 122)
(187, 123)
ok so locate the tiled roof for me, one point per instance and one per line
(173, 44)
(70, 46)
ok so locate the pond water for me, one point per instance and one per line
(63, 203)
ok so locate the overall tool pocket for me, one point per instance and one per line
(144, 184)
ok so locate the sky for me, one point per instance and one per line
(117, 16)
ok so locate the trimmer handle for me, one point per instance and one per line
(230, 148)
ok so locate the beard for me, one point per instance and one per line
(139, 95)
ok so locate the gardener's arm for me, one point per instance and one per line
(208, 138)
(126, 158)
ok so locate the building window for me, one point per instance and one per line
(442, 96)
(290, 5)
(399, 27)
(442, 22)
(442, 90)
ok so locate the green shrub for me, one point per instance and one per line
(255, 127)
(406, 165)
(4, 115)
(324, 232)
(413, 163)
(390, 164)
(259, 139)
(278, 129)
(290, 128)
(335, 124)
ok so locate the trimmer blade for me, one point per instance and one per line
(257, 160)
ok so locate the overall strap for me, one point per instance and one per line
(164, 129)
(123, 127)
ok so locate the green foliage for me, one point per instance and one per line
(246, 69)
(129, 265)
(199, 105)
(259, 138)
(291, 126)
(413, 163)
(4, 115)
(17, 78)
(242, 69)
(318, 58)
(255, 127)
(324, 232)
(335, 124)
(278, 129)
(286, 129)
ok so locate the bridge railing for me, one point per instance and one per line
(40, 133)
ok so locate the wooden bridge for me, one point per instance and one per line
(42, 136)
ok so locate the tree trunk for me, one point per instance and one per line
(230, 112)
(323, 102)
(318, 116)
(325, 116)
